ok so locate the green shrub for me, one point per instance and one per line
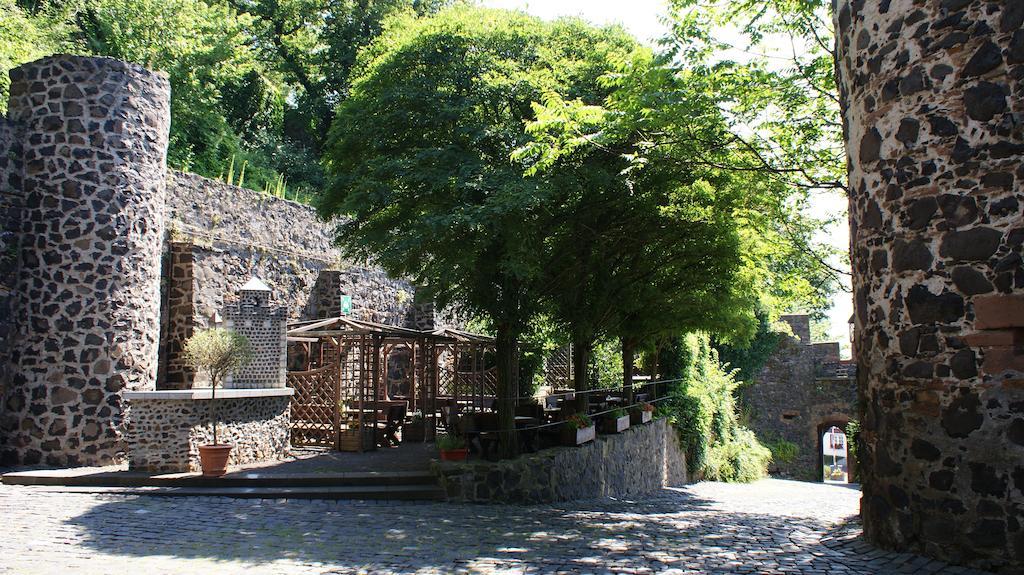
(782, 450)
(741, 459)
(703, 409)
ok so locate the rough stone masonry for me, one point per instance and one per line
(87, 291)
(933, 98)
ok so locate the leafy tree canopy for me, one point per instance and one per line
(254, 82)
(421, 149)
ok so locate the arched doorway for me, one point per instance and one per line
(825, 451)
(834, 456)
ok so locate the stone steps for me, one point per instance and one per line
(351, 485)
(422, 492)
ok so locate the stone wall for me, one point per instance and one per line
(637, 462)
(934, 114)
(93, 151)
(375, 296)
(11, 206)
(221, 236)
(799, 391)
(164, 435)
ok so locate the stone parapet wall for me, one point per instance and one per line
(164, 435)
(237, 234)
(375, 296)
(88, 289)
(637, 462)
(933, 113)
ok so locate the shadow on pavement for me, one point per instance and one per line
(672, 529)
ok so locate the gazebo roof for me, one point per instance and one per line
(462, 336)
(312, 330)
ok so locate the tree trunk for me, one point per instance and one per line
(580, 372)
(507, 358)
(628, 367)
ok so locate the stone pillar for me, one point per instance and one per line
(266, 326)
(179, 317)
(933, 111)
(89, 290)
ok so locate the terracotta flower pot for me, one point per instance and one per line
(214, 459)
(454, 454)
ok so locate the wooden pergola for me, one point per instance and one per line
(357, 381)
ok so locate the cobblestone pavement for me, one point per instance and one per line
(771, 526)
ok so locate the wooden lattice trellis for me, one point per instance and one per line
(314, 413)
(558, 368)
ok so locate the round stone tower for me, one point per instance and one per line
(934, 119)
(88, 296)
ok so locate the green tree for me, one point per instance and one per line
(420, 155)
(312, 45)
(652, 243)
(26, 35)
(206, 50)
(778, 85)
(217, 352)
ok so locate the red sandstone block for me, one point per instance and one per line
(999, 311)
(1000, 359)
(994, 338)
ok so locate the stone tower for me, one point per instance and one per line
(266, 326)
(933, 96)
(94, 141)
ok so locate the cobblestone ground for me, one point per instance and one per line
(767, 527)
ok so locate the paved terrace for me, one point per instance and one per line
(769, 527)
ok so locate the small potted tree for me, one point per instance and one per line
(216, 352)
(578, 429)
(642, 413)
(452, 447)
(615, 422)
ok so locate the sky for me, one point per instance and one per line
(642, 18)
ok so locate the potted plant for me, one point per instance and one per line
(642, 413)
(578, 429)
(452, 447)
(216, 352)
(415, 429)
(615, 422)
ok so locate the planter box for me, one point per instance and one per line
(414, 433)
(640, 417)
(350, 440)
(574, 437)
(617, 425)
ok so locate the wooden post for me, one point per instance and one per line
(337, 399)
(363, 360)
(376, 386)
